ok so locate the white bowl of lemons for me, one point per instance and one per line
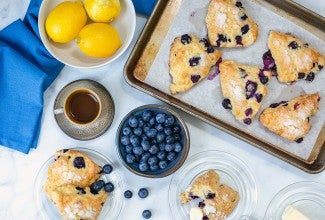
(88, 33)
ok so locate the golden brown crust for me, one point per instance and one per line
(291, 119)
(294, 59)
(229, 25)
(237, 80)
(189, 62)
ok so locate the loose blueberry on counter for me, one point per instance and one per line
(107, 169)
(146, 214)
(109, 187)
(128, 194)
(186, 39)
(97, 186)
(79, 162)
(143, 193)
(226, 104)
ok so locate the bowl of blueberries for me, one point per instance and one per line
(153, 141)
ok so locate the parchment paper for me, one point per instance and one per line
(207, 94)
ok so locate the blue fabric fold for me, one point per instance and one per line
(26, 71)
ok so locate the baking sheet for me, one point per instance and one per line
(207, 95)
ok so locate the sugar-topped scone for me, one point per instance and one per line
(294, 59)
(229, 25)
(244, 88)
(72, 167)
(203, 187)
(190, 61)
(290, 119)
(76, 203)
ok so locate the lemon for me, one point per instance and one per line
(65, 21)
(98, 40)
(102, 10)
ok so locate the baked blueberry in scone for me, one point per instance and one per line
(244, 89)
(190, 61)
(290, 119)
(229, 24)
(294, 59)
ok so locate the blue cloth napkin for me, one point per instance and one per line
(26, 71)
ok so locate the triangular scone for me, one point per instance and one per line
(244, 88)
(229, 25)
(203, 187)
(290, 119)
(76, 203)
(294, 59)
(190, 61)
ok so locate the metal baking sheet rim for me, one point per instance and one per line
(146, 49)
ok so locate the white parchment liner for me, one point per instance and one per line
(207, 94)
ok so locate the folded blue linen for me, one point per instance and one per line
(26, 71)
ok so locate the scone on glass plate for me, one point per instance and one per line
(294, 59)
(290, 119)
(190, 61)
(244, 88)
(229, 24)
(217, 200)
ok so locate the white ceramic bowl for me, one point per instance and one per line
(70, 54)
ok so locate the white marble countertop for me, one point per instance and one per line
(18, 171)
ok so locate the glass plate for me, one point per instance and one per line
(113, 204)
(233, 172)
(307, 197)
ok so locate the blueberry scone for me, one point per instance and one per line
(290, 119)
(76, 203)
(229, 25)
(244, 88)
(217, 200)
(294, 59)
(190, 61)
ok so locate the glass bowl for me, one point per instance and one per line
(113, 204)
(232, 171)
(307, 197)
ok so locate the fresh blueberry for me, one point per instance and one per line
(153, 141)
(310, 77)
(160, 137)
(195, 78)
(226, 104)
(162, 164)
(170, 120)
(293, 45)
(170, 139)
(247, 121)
(176, 129)
(140, 123)
(134, 140)
(160, 118)
(133, 122)
(152, 160)
(244, 29)
(144, 137)
(154, 167)
(146, 116)
(159, 127)
(151, 133)
(125, 140)
(109, 187)
(244, 17)
(171, 156)
(128, 194)
(130, 158)
(301, 75)
(178, 147)
(239, 40)
(186, 39)
(177, 137)
(145, 156)
(153, 149)
(194, 61)
(107, 169)
(127, 131)
(146, 214)
(169, 147)
(143, 193)
(137, 150)
(250, 89)
(97, 186)
(168, 131)
(152, 121)
(161, 155)
(143, 166)
(145, 145)
(128, 149)
(79, 162)
(162, 146)
(137, 131)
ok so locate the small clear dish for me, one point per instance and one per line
(113, 204)
(232, 171)
(307, 197)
